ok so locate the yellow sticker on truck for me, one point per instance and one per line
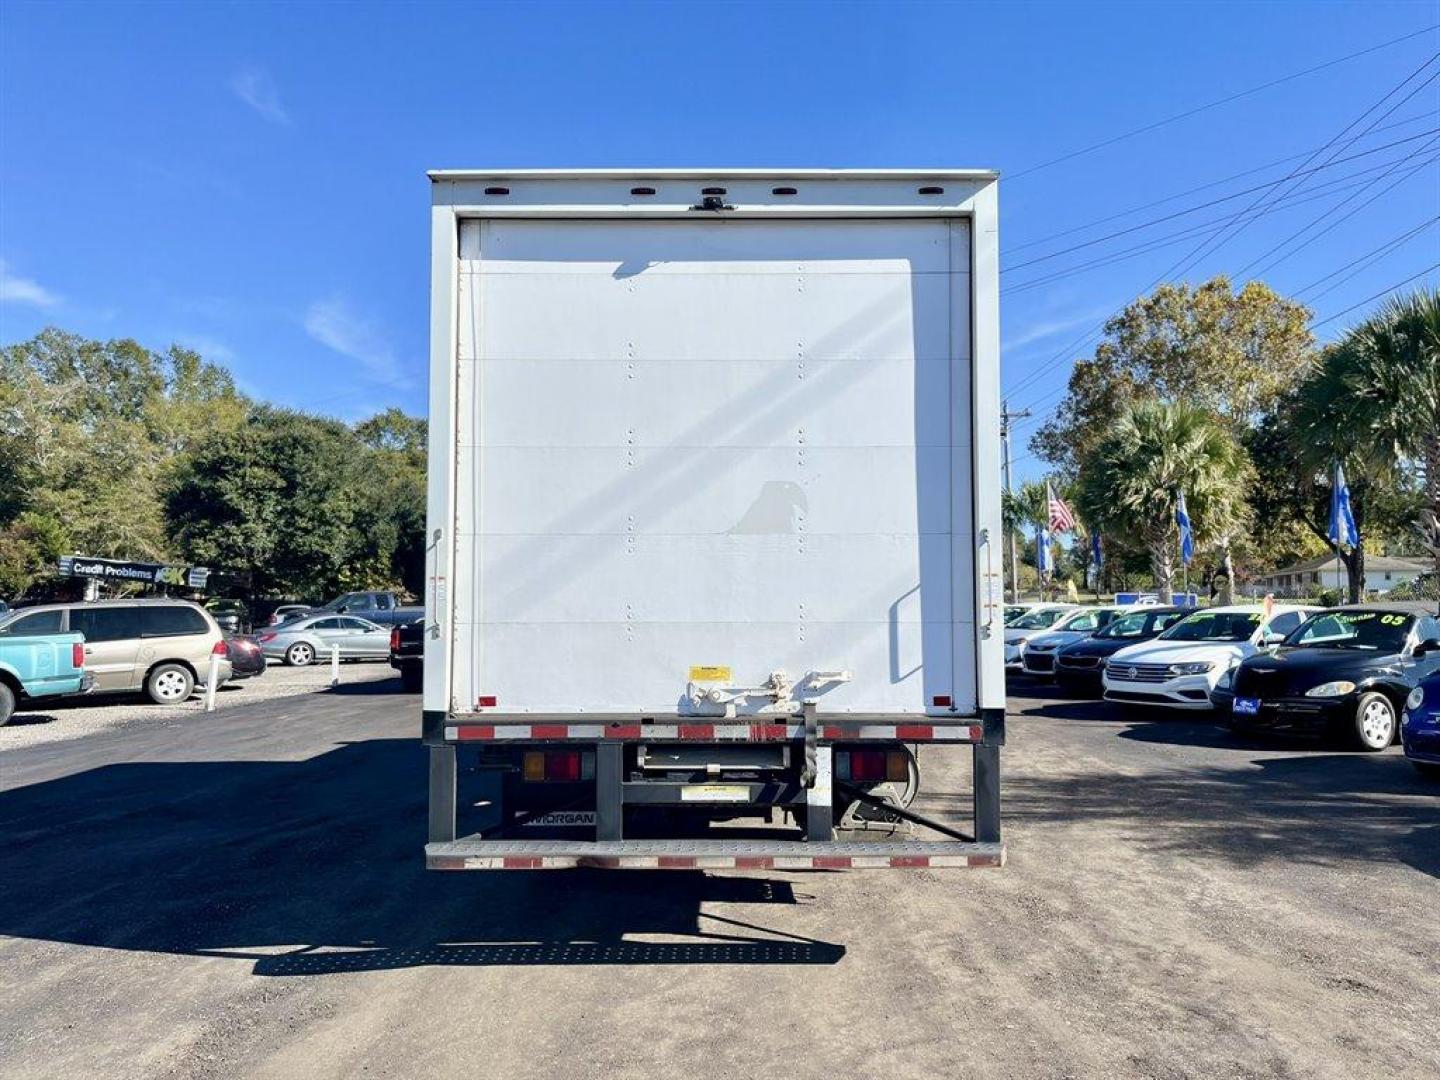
(709, 673)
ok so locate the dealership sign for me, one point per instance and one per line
(193, 577)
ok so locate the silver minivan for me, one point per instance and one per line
(161, 647)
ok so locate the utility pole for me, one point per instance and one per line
(1005, 417)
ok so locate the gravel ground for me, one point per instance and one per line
(244, 896)
(55, 719)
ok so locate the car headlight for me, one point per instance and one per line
(1339, 688)
(1416, 698)
(1199, 668)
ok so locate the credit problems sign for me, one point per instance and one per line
(193, 577)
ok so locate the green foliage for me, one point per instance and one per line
(1152, 452)
(108, 448)
(1228, 353)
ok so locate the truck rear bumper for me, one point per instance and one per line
(786, 854)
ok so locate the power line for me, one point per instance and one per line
(1212, 202)
(1368, 259)
(1377, 296)
(1192, 258)
(1214, 225)
(1209, 247)
(1223, 180)
(1334, 222)
(1217, 103)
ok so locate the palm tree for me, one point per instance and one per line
(1395, 380)
(1154, 450)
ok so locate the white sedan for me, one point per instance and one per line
(1179, 668)
(1035, 621)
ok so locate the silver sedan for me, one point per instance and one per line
(303, 641)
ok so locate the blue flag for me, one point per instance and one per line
(1343, 532)
(1187, 534)
(1044, 560)
(1097, 555)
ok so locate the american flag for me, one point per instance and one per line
(1062, 518)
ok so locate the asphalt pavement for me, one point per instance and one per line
(241, 894)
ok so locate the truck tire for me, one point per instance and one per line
(169, 684)
(412, 678)
(7, 704)
(1375, 723)
(300, 654)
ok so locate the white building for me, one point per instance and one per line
(1382, 573)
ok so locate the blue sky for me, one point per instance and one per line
(248, 179)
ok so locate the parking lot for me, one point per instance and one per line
(241, 893)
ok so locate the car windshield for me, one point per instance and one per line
(1214, 626)
(1083, 619)
(1368, 631)
(1038, 620)
(1138, 624)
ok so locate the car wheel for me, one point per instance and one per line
(169, 684)
(300, 654)
(1374, 722)
(7, 704)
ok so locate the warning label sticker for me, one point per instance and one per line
(709, 673)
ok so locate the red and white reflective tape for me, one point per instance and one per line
(713, 862)
(831, 732)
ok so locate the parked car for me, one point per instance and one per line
(1420, 726)
(160, 647)
(1078, 665)
(1180, 668)
(1344, 672)
(40, 666)
(247, 658)
(1020, 630)
(285, 612)
(302, 641)
(232, 616)
(384, 608)
(1038, 655)
(407, 654)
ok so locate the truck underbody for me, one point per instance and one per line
(643, 792)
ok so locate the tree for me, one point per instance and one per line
(1394, 374)
(1229, 353)
(1130, 483)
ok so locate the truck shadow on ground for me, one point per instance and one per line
(314, 867)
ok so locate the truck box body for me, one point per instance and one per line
(713, 454)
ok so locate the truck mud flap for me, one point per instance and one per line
(709, 855)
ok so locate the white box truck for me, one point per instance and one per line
(714, 517)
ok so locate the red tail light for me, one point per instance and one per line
(563, 766)
(262, 638)
(222, 648)
(395, 640)
(77, 654)
(867, 764)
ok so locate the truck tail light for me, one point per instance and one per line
(872, 766)
(77, 654)
(222, 648)
(395, 640)
(557, 766)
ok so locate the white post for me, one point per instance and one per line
(212, 679)
(334, 666)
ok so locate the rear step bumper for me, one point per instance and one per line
(708, 855)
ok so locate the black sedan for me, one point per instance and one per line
(1079, 664)
(246, 659)
(1344, 672)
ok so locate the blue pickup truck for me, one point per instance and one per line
(39, 666)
